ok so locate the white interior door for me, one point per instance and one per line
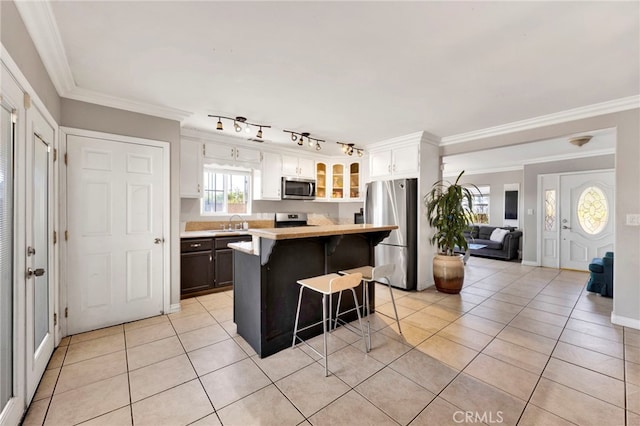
(586, 218)
(39, 238)
(116, 199)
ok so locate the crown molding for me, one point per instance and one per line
(85, 95)
(43, 29)
(602, 108)
(406, 139)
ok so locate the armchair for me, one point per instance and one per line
(601, 279)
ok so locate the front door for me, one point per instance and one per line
(39, 240)
(116, 198)
(586, 218)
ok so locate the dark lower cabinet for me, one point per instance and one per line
(223, 259)
(206, 264)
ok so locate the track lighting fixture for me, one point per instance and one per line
(237, 124)
(350, 148)
(300, 138)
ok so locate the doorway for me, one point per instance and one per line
(117, 204)
(577, 220)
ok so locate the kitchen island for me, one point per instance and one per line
(267, 269)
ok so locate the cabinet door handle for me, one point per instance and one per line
(198, 188)
(389, 168)
(195, 245)
(231, 152)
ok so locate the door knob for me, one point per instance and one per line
(566, 227)
(37, 272)
(158, 240)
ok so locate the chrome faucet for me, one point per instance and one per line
(238, 226)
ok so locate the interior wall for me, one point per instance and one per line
(83, 115)
(16, 40)
(626, 309)
(496, 182)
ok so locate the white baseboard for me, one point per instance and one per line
(625, 321)
(529, 263)
(175, 307)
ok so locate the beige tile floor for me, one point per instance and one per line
(519, 345)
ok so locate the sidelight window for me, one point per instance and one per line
(226, 192)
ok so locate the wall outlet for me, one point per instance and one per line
(633, 219)
(530, 212)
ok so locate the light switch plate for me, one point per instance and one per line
(633, 219)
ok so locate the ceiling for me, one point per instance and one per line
(357, 72)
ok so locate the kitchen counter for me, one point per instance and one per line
(316, 231)
(267, 269)
(245, 247)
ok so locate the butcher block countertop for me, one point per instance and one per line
(316, 231)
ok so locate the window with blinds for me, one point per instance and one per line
(6, 256)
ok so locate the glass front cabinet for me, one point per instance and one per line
(338, 181)
(321, 180)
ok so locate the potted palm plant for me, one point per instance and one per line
(449, 211)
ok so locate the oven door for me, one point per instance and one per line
(298, 189)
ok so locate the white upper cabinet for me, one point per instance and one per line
(267, 179)
(298, 166)
(190, 169)
(230, 154)
(402, 161)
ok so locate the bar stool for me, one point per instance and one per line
(327, 285)
(374, 274)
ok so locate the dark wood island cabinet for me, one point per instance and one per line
(267, 271)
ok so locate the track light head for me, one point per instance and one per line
(318, 147)
(294, 137)
(360, 153)
(238, 124)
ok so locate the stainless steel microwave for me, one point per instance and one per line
(298, 189)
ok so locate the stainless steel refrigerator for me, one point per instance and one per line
(395, 202)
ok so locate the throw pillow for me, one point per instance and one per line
(498, 235)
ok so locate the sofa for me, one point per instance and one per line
(507, 249)
(601, 275)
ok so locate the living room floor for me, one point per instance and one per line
(520, 345)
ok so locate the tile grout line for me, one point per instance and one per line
(126, 355)
(215, 411)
